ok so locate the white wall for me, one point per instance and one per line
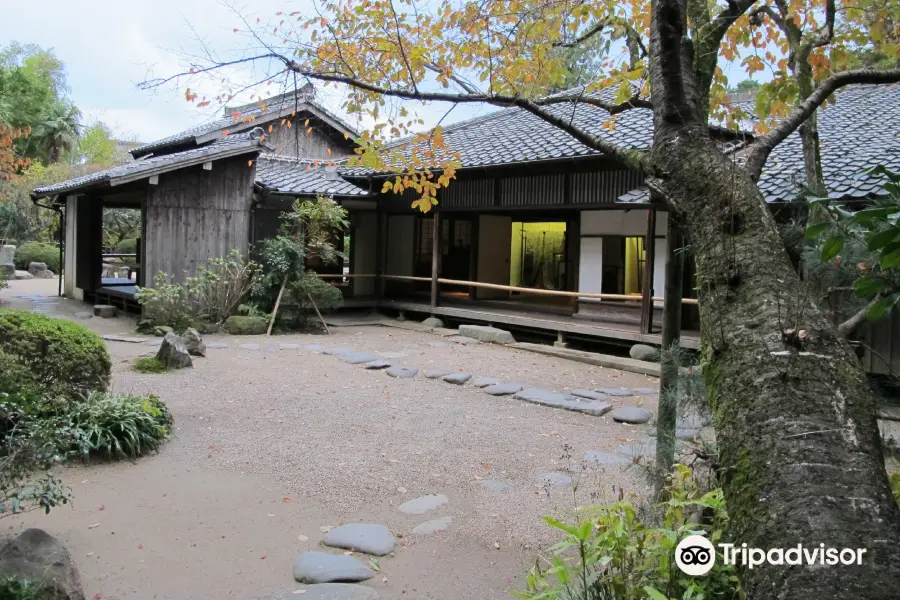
(364, 252)
(400, 255)
(69, 288)
(494, 245)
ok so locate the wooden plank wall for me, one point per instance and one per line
(194, 215)
(882, 341)
(295, 141)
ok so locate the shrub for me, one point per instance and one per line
(610, 553)
(149, 364)
(119, 426)
(63, 359)
(238, 325)
(126, 246)
(14, 588)
(301, 293)
(165, 303)
(220, 286)
(30, 252)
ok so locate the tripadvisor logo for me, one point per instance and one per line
(695, 555)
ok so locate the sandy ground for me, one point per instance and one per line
(271, 445)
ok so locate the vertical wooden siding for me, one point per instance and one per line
(604, 187)
(194, 215)
(296, 141)
(882, 345)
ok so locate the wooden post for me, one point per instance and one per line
(435, 258)
(649, 257)
(379, 254)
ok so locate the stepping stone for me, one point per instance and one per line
(494, 485)
(377, 364)
(433, 526)
(482, 382)
(645, 391)
(271, 348)
(249, 346)
(330, 591)
(321, 567)
(437, 344)
(338, 350)
(457, 378)
(555, 400)
(402, 372)
(392, 354)
(356, 358)
(437, 373)
(361, 537)
(423, 504)
(314, 348)
(484, 333)
(83, 315)
(458, 339)
(631, 414)
(588, 394)
(615, 392)
(503, 389)
(289, 346)
(219, 345)
(605, 458)
(555, 479)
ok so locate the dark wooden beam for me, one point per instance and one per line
(649, 258)
(435, 258)
(379, 252)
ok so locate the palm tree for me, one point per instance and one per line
(57, 132)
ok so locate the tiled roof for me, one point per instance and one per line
(289, 175)
(232, 145)
(275, 107)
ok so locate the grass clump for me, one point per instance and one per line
(14, 588)
(149, 364)
(114, 426)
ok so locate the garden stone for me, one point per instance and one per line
(38, 556)
(331, 591)
(555, 479)
(555, 400)
(402, 372)
(457, 378)
(7, 254)
(289, 346)
(361, 537)
(162, 330)
(482, 333)
(423, 504)
(432, 323)
(83, 314)
(494, 485)
(356, 358)
(104, 311)
(336, 351)
(377, 364)
(645, 391)
(249, 346)
(618, 392)
(644, 352)
(433, 526)
(392, 354)
(21, 275)
(218, 345)
(437, 373)
(193, 342)
(9, 272)
(38, 269)
(321, 567)
(173, 353)
(482, 382)
(314, 348)
(588, 394)
(605, 458)
(503, 389)
(631, 414)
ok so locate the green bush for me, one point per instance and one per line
(149, 364)
(165, 303)
(126, 246)
(13, 588)
(300, 295)
(114, 426)
(63, 359)
(238, 325)
(610, 554)
(220, 285)
(30, 252)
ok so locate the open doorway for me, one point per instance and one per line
(121, 247)
(623, 265)
(538, 255)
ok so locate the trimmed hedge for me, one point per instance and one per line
(238, 325)
(30, 252)
(126, 246)
(62, 359)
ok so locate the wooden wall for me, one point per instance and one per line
(296, 141)
(193, 215)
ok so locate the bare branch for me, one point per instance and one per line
(465, 85)
(763, 145)
(726, 19)
(596, 29)
(848, 327)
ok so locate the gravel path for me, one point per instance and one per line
(347, 444)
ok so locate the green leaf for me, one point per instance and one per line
(870, 214)
(654, 594)
(881, 308)
(868, 286)
(814, 231)
(890, 260)
(881, 239)
(832, 247)
(560, 525)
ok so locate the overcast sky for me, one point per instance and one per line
(109, 46)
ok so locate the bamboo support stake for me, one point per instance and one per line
(275, 310)
(324, 324)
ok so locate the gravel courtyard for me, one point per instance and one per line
(275, 443)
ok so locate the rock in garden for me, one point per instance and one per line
(314, 348)
(337, 351)
(105, 311)
(433, 526)
(38, 270)
(249, 346)
(432, 323)
(565, 401)
(361, 537)
(38, 556)
(437, 373)
(588, 394)
(483, 333)
(18, 274)
(173, 353)
(645, 391)
(423, 504)
(9, 272)
(644, 352)
(321, 567)
(289, 346)
(457, 378)
(162, 330)
(193, 342)
(631, 414)
(377, 364)
(619, 392)
(605, 458)
(356, 358)
(503, 389)
(330, 591)
(402, 372)
(481, 382)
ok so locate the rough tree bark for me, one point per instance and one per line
(798, 441)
